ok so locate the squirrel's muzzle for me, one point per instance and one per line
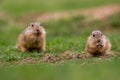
(38, 32)
(99, 45)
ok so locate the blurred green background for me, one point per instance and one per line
(62, 34)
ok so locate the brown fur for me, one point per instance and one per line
(32, 38)
(98, 44)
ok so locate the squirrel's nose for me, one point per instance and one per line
(98, 41)
(37, 30)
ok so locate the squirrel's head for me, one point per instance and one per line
(35, 28)
(97, 38)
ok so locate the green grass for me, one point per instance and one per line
(22, 7)
(71, 70)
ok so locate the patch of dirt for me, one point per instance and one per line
(50, 58)
(100, 13)
(30, 60)
(65, 56)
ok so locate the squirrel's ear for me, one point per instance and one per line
(40, 24)
(91, 33)
(101, 34)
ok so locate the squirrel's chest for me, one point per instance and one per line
(33, 41)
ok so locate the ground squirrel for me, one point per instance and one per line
(32, 38)
(98, 44)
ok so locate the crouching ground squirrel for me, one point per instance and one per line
(98, 44)
(32, 38)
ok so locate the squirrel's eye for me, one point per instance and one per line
(32, 25)
(93, 35)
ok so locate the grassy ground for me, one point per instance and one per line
(72, 70)
(69, 34)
